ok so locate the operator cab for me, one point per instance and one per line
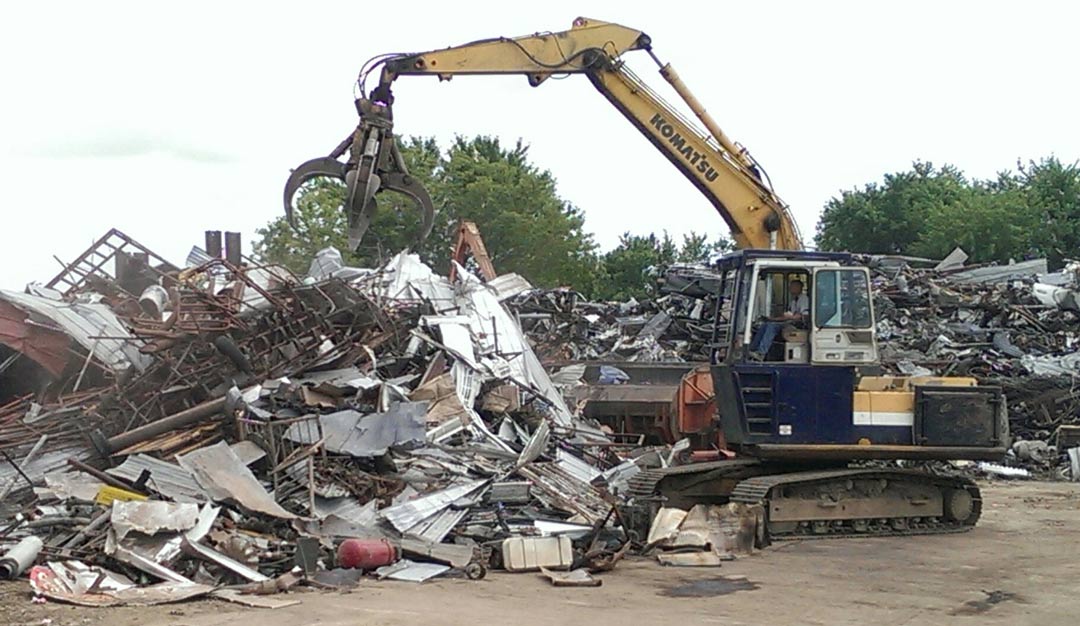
(795, 371)
(787, 307)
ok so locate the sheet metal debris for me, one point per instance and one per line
(411, 571)
(225, 422)
(226, 479)
(573, 578)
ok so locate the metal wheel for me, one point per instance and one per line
(475, 571)
(959, 505)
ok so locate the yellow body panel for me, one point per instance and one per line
(890, 400)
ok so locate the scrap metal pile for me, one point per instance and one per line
(673, 325)
(1016, 326)
(232, 430)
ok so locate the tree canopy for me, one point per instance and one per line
(928, 211)
(625, 270)
(527, 227)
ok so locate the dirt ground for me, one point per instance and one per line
(1019, 566)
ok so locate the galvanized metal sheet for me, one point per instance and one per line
(225, 478)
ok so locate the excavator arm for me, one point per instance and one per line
(721, 169)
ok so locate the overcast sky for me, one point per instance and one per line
(167, 119)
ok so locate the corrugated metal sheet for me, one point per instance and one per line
(166, 478)
(93, 326)
(409, 514)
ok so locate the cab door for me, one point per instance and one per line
(842, 317)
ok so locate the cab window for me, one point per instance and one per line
(841, 299)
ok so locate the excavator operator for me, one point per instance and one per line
(798, 310)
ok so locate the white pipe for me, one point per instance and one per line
(20, 557)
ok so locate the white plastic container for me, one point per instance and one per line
(523, 554)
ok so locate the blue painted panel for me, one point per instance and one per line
(884, 435)
(814, 401)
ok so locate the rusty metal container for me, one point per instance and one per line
(366, 553)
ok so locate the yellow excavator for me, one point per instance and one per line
(798, 386)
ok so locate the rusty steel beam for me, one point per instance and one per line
(187, 417)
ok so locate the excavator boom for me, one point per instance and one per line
(721, 169)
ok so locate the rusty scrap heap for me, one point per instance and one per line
(230, 429)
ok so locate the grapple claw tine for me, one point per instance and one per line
(320, 166)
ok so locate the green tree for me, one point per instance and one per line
(527, 227)
(991, 222)
(1052, 191)
(927, 212)
(889, 217)
(628, 270)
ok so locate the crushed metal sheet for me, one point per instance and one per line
(510, 492)
(151, 516)
(248, 451)
(339, 527)
(689, 559)
(347, 507)
(559, 490)
(346, 378)
(507, 286)
(536, 446)
(73, 485)
(1001, 273)
(209, 554)
(454, 555)
(437, 527)
(573, 578)
(222, 475)
(94, 326)
(550, 528)
(74, 582)
(411, 571)
(257, 602)
(1004, 470)
(665, 526)
(350, 432)
(124, 554)
(576, 467)
(163, 548)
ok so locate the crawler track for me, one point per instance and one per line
(843, 499)
(830, 503)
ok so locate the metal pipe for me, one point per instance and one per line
(80, 537)
(187, 417)
(20, 557)
(672, 77)
(233, 250)
(213, 243)
(111, 481)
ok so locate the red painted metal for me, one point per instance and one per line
(366, 553)
(695, 402)
(48, 347)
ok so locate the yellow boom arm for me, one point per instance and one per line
(721, 169)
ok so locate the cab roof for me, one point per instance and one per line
(737, 259)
